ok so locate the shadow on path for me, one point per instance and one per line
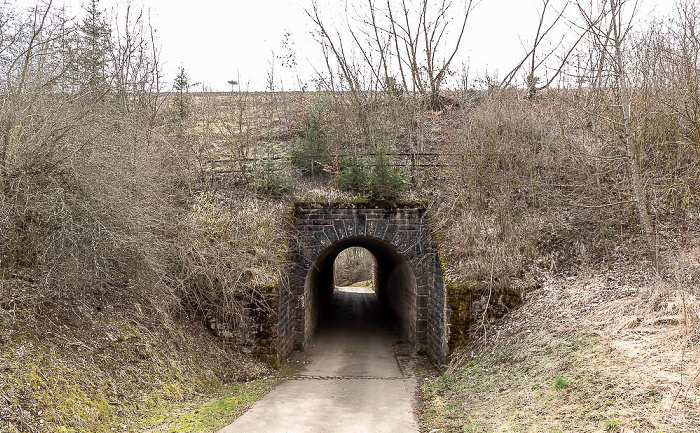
(351, 383)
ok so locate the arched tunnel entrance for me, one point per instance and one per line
(393, 282)
(407, 279)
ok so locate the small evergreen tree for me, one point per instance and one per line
(386, 180)
(94, 47)
(354, 173)
(272, 173)
(182, 101)
(311, 152)
(376, 177)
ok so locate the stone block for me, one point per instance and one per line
(380, 229)
(340, 229)
(331, 233)
(360, 224)
(322, 241)
(390, 233)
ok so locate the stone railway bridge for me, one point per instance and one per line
(408, 277)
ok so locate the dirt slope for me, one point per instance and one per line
(107, 360)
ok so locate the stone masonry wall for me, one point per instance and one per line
(316, 230)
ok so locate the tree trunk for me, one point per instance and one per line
(632, 149)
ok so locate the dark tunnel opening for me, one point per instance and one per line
(393, 282)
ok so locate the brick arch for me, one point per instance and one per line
(401, 240)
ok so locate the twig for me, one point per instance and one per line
(5, 398)
(602, 205)
(488, 300)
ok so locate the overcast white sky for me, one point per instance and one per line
(217, 41)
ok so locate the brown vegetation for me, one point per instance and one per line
(110, 205)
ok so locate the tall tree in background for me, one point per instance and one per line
(608, 24)
(135, 62)
(95, 46)
(619, 33)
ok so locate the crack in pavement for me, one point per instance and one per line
(349, 377)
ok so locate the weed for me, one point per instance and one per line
(561, 382)
(612, 422)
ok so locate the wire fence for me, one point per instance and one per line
(225, 166)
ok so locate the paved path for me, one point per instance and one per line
(352, 381)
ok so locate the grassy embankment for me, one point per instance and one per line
(600, 351)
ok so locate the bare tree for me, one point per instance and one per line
(31, 64)
(414, 40)
(609, 27)
(539, 57)
(136, 62)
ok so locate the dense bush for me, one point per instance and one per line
(230, 253)
(85, 199)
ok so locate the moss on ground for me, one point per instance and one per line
(206, 415)
(96, 365)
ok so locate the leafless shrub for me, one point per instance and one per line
(231, 253)
(137, 76)
(498, 163)
(84, 202)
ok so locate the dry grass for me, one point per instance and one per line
(625, 339)
(513, 208)
(231, 253)
(89, 211)
(530, 180)
(113, 226)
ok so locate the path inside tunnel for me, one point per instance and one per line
(351, 379)
(356, 337)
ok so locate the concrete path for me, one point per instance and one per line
(352, 381)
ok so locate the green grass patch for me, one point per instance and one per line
(210, 414)
(561, 382)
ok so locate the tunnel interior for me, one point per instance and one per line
(393, 281)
